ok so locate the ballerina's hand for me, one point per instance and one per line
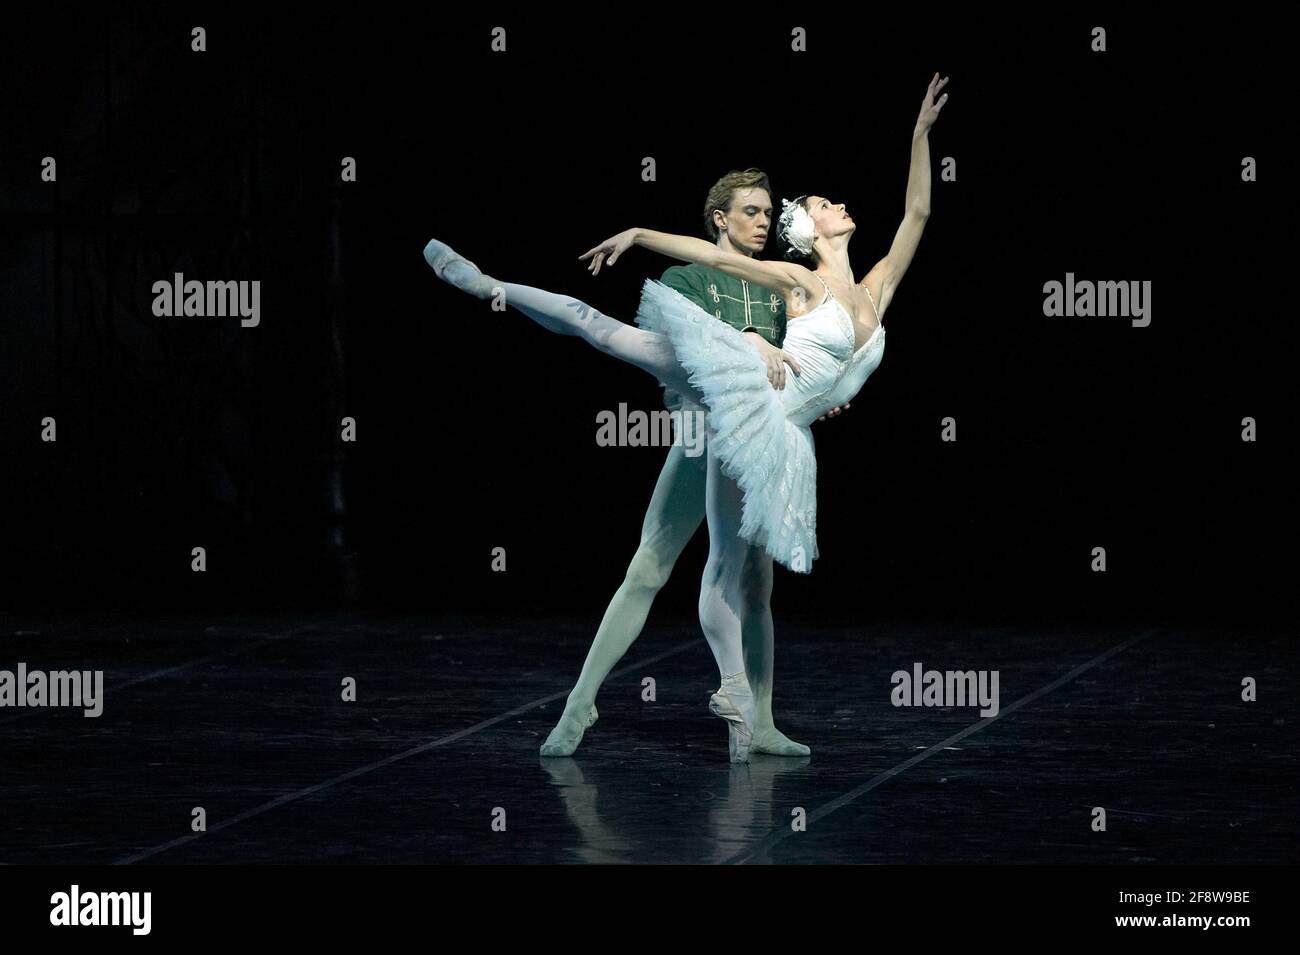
(610, 248)
(929, 106)
(838, 409)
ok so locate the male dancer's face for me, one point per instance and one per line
(745, 226)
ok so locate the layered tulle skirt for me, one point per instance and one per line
(770, 458)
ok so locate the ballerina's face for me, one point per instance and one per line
(831, 219)
(748, 221)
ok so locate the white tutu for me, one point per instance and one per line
(769, 456)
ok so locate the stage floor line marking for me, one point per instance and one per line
(386, 761)
(176, 668)
(779, 835)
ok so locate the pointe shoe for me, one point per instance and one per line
(772, 742)
(567, 734)
(440, 256)
(728, 703)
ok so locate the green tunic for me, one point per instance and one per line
(737, 302)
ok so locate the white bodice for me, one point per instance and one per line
(831, 371)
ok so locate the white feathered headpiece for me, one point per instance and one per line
(796, 226)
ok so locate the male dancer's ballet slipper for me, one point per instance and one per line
(443, 259)
(567, 734)
(726, 703)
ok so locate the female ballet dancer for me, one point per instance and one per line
(760, 436)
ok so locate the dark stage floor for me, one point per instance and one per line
(243, 717)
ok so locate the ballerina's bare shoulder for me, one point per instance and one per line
(858, 300)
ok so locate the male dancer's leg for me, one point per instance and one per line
(736, 592)
(676, 511)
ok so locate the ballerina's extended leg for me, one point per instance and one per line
(565, 315)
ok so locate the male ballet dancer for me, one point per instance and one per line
(738, 216)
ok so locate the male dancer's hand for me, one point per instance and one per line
(775, 359)
(836, 410)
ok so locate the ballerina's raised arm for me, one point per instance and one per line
(885, 275)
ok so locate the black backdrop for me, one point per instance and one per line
(477, 429)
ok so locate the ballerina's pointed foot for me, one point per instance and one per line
(567, 734)
(772, 742)
(455, 269)
(734, 703)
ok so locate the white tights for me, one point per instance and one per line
(649, 351)
(735, 592)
